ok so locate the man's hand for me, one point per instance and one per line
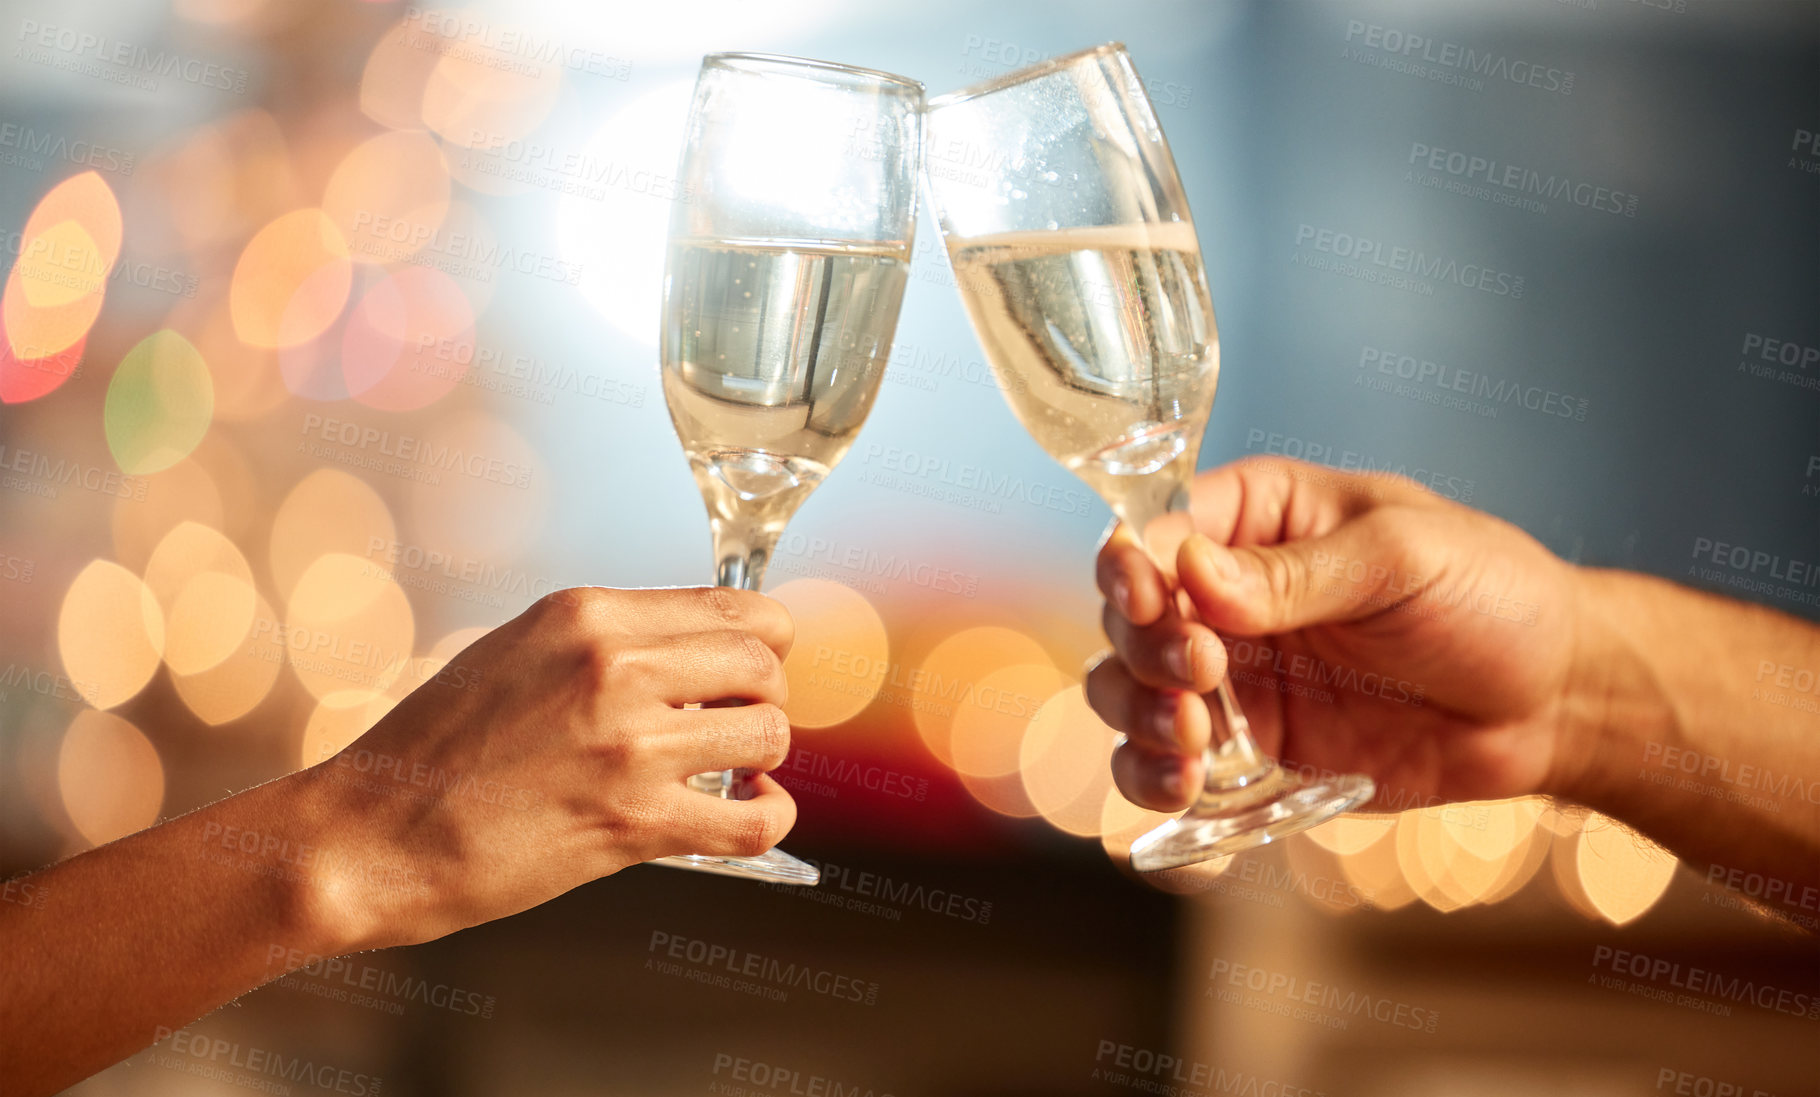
(581, 729)
(1370, 626)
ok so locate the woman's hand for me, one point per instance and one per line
(562, 762)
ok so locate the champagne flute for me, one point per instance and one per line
(1074, 251)
(787, 263)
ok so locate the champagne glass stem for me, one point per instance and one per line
(741, 551)
(1232, 758)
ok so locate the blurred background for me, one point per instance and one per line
(338, 320)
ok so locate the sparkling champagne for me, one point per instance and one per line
(1104, 343)
(772, 355)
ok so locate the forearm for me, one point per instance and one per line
(1693, 719)
(125, 943)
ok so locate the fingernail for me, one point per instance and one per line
(1121, 595)
(1172, 784)
(1179, 658)
(1163, 719)
(1217, 558)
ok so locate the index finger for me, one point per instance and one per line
(1266, 500)
(1129, 579)
(673, 611)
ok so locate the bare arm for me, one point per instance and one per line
(565, 762)
(1695, 730)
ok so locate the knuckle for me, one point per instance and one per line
(723, 604)
(771, 728)
(756, 657)
(1284, 576)
(756, 832)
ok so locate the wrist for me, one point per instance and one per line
(1613, 703)
(353, 891)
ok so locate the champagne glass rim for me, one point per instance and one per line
(1019, 76)
(740, 59)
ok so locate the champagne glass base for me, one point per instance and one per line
(773, 866)
(1228, 821)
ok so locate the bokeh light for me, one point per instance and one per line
(29, 373)
(110, 634)
(67, 250)
(327, 511)
(292, 280)
(1621, 873)
(948, 671)
(159, 404)
(992, 712)
(348, 626)
(110, 777)
(1065, 759)
(233, 687)
(473, 103)
(480, 486)
(841, 656)
(388, 196)
(1123, 822)
(205, 588)
(338, 719)
(185, 492)
(388, 358)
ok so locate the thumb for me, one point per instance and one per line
(1251, 590)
